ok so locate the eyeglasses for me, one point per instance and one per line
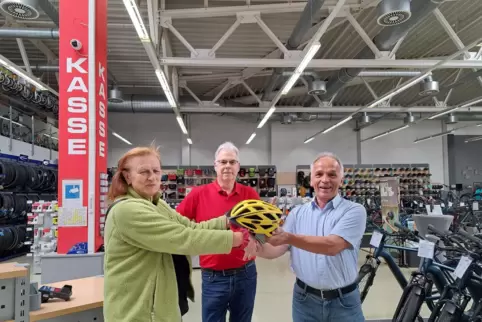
(224, 162)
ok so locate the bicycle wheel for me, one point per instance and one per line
(410, 305)
(447, 315)
(366, 275)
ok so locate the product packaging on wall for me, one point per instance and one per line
(178, 181)
(22, 181)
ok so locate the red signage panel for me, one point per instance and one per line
(76, 228)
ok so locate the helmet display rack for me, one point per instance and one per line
(362, 180)
(178, 181)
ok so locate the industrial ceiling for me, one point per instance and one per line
(374, 58)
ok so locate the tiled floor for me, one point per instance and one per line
(275, 287)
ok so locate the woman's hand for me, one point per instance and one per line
(252, 249)
(245, 238)
(237, 239)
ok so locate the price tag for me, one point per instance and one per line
(426, 249)
(450, 204)
(462, 204)
(376, 238)
(475, 206)
(462, 266)
(415, 202)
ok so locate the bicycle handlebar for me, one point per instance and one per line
(468, 236)
(402, 228)
(436, 231)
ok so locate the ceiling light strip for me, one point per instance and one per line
(311, 49)
(390, 132)
(413, 82)
(133, 11)
(477, 138)
(181, 124)
(266, 117)
(20, 72)
(251, 138)
(426, 73)
(343, 121)
(434, 136)
(301, 67)
(121, 138)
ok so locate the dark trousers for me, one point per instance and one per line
(229, 290)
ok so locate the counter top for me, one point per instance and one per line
(12, 270)
(87, 294)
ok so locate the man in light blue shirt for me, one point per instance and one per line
(323, 237)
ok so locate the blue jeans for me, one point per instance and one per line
(311, 308)
(234, 292)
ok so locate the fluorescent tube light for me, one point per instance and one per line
(390, 132)
(121, 138)
(136, 18)
(477, 138)
(308, 140)
(2, 117)
(472, 102)
(189, 140)
(266, 117)
(52, 137)
(251, 138)
(338, 124)
(181, 124)
(17, 70)
(434, 136)
(443, 113)
(165, 86)
(301, 67)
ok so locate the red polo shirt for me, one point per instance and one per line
(210, 201)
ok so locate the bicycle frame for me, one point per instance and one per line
(427, 267)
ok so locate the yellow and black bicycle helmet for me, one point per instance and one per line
(257, 216)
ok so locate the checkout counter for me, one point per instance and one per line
(16, 297)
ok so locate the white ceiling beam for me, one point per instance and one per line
(302, 90)
(453, 35)
(320, 63)
(37, 43)
(271, 35)
(359, 29)
(152, 9)
(24, 55)
(261, 8)
(251, 71)
(334, 109)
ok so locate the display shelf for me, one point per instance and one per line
(42, 225)
(362, 180)
(178, 181)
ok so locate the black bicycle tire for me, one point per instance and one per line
(365, 270)
(445, 316)
(410, 309)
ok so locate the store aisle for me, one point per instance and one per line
(275, 287)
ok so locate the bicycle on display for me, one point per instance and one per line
(453, 305)
(431, 277)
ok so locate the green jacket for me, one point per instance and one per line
(139, 277)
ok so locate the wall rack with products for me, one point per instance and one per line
(22, 182)
(362, 180)
(178, 181)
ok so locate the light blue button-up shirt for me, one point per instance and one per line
(339, 217)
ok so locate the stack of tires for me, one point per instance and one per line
(21, 184)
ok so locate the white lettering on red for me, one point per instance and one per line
(77, 107)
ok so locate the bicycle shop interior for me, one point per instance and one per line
(392, 87)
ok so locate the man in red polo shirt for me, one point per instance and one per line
(228, 281)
